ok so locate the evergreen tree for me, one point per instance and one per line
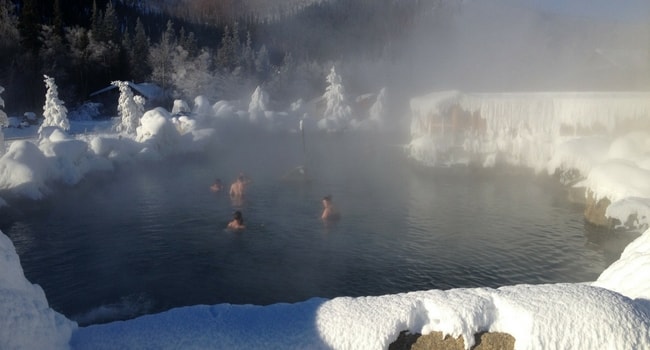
(109, 24)
(52, 54)
(128, 109)
(258, 105)
(4, 121)
(283, 77)
(236, 46)
(139, 52)
(191, 76)
(29, 26)
(95, 18)
(248, 56)
(160, 57)
(58, 18)
(9, 35)
(377, 112)
(337, 112)
(262, 64)
(54, 111)
(188, 42)
(226, 52)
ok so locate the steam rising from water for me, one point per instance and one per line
(507, 45)
(504, 45)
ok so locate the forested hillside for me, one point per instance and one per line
(217, 48)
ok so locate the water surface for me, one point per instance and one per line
(149, 237)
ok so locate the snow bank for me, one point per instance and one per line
(524, 128)
(539, 317)
(27, 321)
(630, 275)
(29, 166)
(599, 138)
(24, 170)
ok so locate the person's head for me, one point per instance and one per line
(327, 200)
(238, 217)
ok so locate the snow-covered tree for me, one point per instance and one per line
(160, 57)
(3, 122)
(337, 111)
(54, 111)
(192, 76)
(89, 57)
(248, 55)
(378, 109)
(258, 106)
(128, 109)
(228, 54)
(52, 51)
(262, 63)
(376, 114)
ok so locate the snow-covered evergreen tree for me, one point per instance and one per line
(258, 106)
(376, 114)
(378, 109)
(3, 122)
(54, 111)
(160, 57)
(337, 111)
(192, 76)
(128, 109)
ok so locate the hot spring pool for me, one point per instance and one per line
(147, 238)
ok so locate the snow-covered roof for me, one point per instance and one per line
(147, 90)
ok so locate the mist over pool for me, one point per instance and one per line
(157, 232)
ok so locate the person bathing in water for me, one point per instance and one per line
(238, 188)
(237, 222)
(329, 211)
(216, 186)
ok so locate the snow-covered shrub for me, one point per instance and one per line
(202, 108)
(180, 108)
(86, 111)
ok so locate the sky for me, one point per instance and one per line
(611, 312)
(624, 10)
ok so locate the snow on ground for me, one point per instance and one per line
(612, 312)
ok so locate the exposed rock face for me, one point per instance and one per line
(595, 210)
(436, 341)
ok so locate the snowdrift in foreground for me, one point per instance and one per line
(27, 321)
(551, 316)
